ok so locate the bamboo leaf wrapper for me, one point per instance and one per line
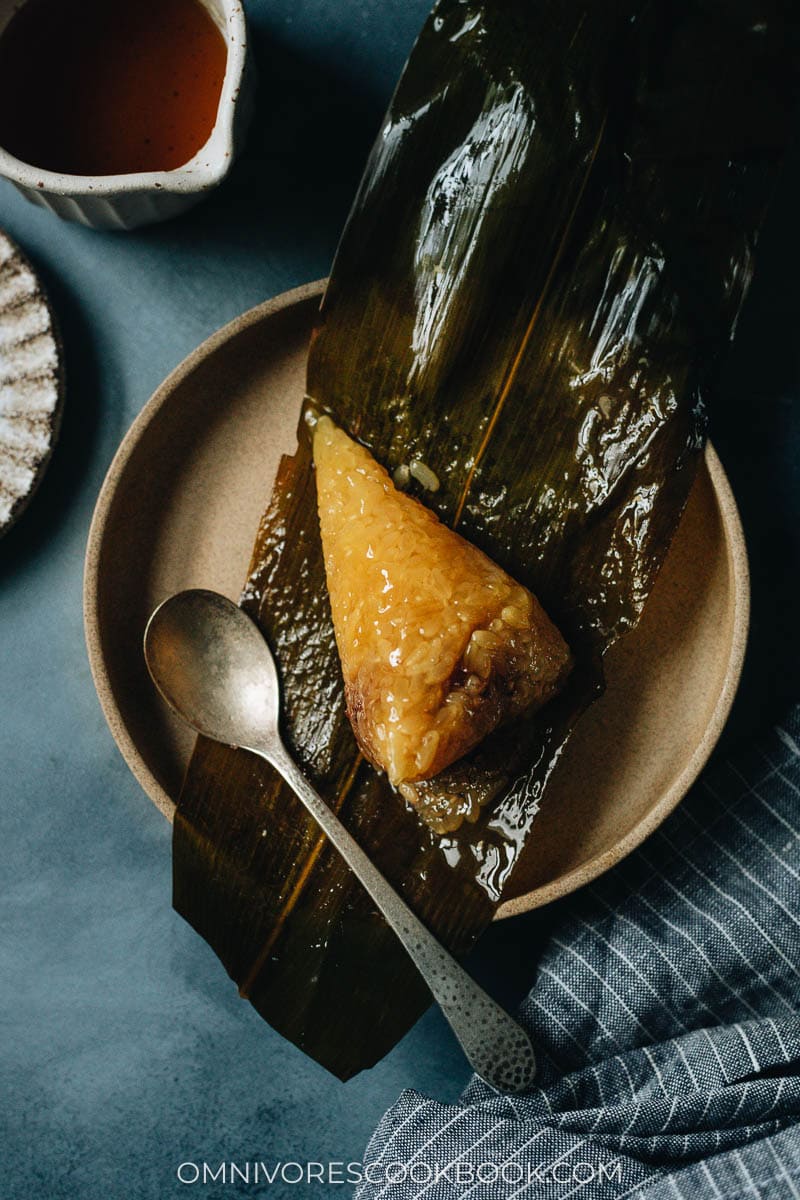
(545, 260)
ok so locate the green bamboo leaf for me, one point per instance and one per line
(544, 262)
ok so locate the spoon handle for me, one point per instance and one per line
(495, 1045)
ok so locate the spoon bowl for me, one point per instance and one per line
(212, 666)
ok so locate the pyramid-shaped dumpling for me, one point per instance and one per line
(438, 645)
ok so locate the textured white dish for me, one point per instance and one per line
(31, 382)
(127, 201)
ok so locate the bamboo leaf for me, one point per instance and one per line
(544, 262)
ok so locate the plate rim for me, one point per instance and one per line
(670, 799)
(737, 562)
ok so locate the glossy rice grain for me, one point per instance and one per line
(438, 645)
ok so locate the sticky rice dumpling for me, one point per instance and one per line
(438, 645)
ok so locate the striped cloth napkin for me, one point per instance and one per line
(665, 1015)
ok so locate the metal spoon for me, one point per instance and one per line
(212, 665)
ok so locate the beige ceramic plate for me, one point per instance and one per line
(180, 507)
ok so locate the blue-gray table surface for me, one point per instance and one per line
(125, 1049)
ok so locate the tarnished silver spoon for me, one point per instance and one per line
(212, 665)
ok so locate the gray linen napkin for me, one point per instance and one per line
(665, 1013)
